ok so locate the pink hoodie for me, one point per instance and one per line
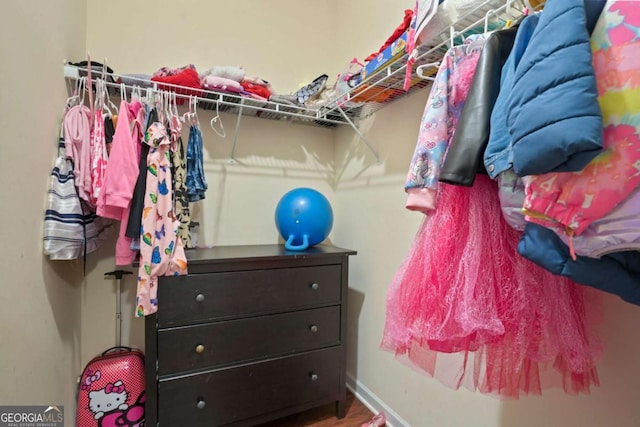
(121, 174)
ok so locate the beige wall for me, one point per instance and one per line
(39, 300)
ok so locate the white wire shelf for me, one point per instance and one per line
(385, 85)
(212, 100)
(378, 90)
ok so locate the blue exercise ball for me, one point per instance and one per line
(304, 218)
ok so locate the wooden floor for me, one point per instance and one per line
(325, 416)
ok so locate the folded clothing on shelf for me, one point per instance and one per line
(225, 71)
(186, 76)
(212, 82)
(256, 90)
(399, 31)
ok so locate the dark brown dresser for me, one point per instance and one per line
(253, 333)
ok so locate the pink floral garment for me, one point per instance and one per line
(98, 154)
(161, 249)
(444, 106)
(574, 200)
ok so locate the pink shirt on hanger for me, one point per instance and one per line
(122, 171)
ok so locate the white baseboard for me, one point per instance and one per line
(373, 402)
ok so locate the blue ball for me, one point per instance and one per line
(304, 218)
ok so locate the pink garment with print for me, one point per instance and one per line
(114, 201)
(77, 138)
(98, 155)
(161, 249)
(575, 200)
(442, 111)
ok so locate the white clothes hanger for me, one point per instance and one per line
(452, 36)
(75, 98)
(98, 102)
(109, 102)
(420, 70)
(174, 105)
(486, 20)
(149, 97)
(221, 133)
(123, 93)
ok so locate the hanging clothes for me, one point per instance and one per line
(464, 156)
(137, 202)
(71, 230)
(464, 289)
(575, 200)
(98, 153)
(196, 181)
(121, 174)
(161, 249)
(77, 137)
(616, 273)
(439, 120)
(179, 182)
(595, 212)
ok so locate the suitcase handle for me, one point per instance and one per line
(118, 348)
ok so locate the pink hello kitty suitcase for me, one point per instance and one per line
(111, 390)
(112, 385)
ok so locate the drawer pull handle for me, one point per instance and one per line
(201, 404)
(314, 377)
(313, 328)
(199, 348)
(199, 298)
(315, 286)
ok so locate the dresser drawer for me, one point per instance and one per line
(206, 346)
(205, 297)
(230, 395)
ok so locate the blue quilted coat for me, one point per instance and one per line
(547, 117)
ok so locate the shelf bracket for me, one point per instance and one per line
(362, 137)
(232, 159)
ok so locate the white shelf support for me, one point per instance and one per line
(232, 159)
(360, 134)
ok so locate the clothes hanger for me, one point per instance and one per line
(98, 102)
(123, 93)
(187, 115)
(486, 20)
(103, 75)
(109, 102)
(73, 99)
(158, 102)
(174, 104)
(149, 97)
(420, 70)
(452, 35)
(217, 119)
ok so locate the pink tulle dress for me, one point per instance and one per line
(468, 310)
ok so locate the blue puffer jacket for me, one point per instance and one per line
(617, 273)
(547, 117)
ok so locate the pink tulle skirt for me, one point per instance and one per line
(468, 310)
